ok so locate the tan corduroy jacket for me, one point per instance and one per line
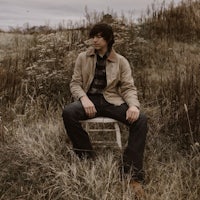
(120, 85)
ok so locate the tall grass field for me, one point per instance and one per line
(36, 65)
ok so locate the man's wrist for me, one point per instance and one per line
(135, 107)
(83, 97)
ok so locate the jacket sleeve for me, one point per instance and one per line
(76, 84)
(127, 87)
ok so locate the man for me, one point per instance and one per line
(102, 85)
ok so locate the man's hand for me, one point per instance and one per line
(132, 114)
(88, 106)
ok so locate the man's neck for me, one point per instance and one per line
(102, 52)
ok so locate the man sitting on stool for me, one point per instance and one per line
(102, 85)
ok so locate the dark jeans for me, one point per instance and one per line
(133, 154)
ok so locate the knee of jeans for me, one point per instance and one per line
(143, 118)
(67, 113)
(143, 122)
(73, 111)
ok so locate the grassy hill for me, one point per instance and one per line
(35, 70)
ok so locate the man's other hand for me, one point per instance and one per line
(132, 114)
(88, 106)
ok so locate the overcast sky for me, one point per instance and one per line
(42, 12)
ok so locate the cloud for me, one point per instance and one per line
(39, 11)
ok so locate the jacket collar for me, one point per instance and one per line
(112, 56)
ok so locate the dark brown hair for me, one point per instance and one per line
(105, 31)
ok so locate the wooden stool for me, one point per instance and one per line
(104, 120)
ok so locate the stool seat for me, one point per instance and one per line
(104, 120)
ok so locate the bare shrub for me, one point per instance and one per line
(173, 22)
(36, 157)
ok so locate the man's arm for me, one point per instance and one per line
(76, 84)
(76, 87)
(129, 91)
(132, 114)
(88, 106)
(127, 87)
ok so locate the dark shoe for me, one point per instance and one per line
(89, 155)
(137, 189)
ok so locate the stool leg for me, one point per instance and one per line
(118, 135)
(87, 127)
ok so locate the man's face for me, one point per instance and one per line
(99, 42)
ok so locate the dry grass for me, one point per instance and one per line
(35, 70)
(37, 163)
(173, 22)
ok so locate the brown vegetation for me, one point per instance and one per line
(180, 23)
(35, 71)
